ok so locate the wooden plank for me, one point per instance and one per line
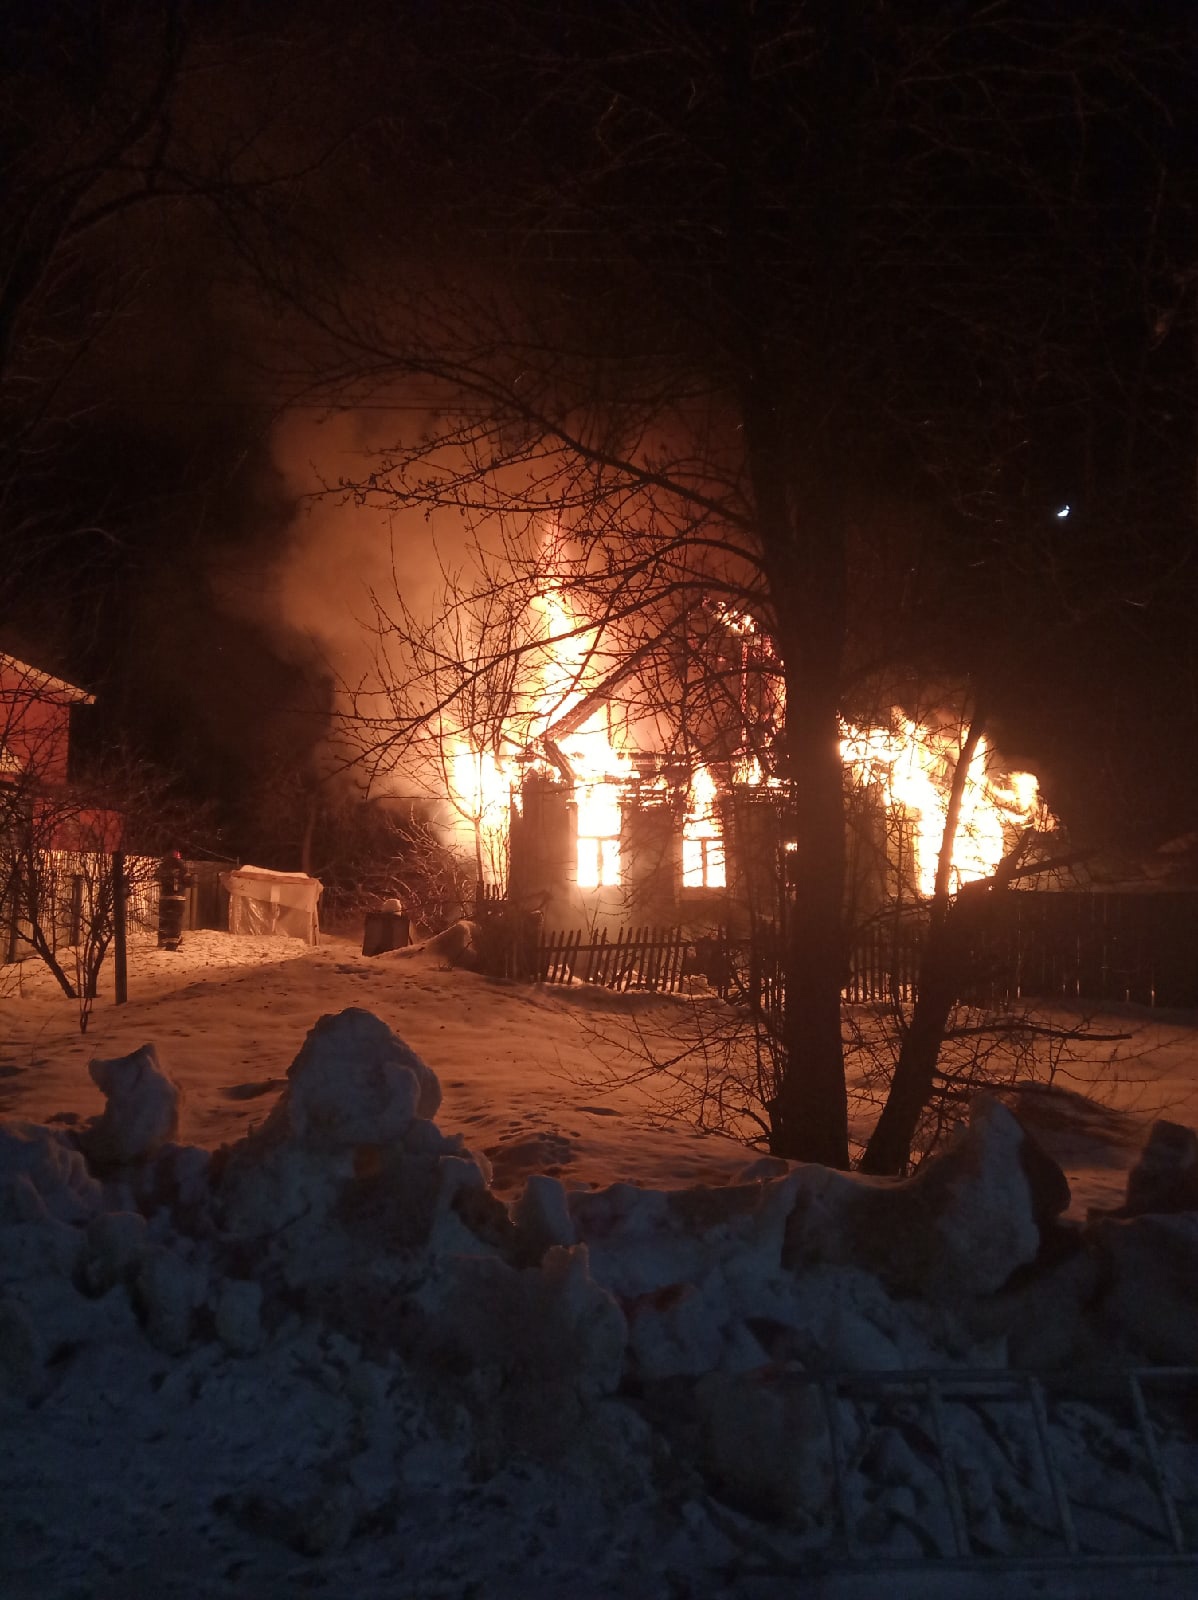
(677, 960)
(619, 957)
(616, 967)
(624, 961)
(669, 973)
(599, 964)
(661, 952)
(670, 961)
(643, 971)
(669, 958)
(637, 961)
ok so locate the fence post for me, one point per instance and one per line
(75, 930)
(12, 922)
(120, 968)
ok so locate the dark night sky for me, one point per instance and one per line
(150, 476)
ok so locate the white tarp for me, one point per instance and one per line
(263, 901)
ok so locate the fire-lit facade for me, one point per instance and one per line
(651, 856)
(644, 851)
(600, 818)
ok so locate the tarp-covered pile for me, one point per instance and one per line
(263, 901)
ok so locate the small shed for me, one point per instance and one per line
(264, 901)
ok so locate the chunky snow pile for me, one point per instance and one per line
(142, 1110)
(330, 1344)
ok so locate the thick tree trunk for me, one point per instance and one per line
(805, 558)
(809, 1116)
(801, 524)
(797, 468)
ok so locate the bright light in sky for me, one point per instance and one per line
(1063, 512)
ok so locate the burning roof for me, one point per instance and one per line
(579, 727)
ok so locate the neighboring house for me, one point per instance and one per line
(35, 723)
(49, 837)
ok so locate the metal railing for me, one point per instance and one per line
(1137, 1412)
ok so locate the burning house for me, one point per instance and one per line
(608, 801)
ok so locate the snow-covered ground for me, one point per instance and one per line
(527, 1074)
(535, 1077)
(506, 1331)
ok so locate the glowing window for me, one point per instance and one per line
(599, 821)
(598, 863)
(702, 841)
(703, 863)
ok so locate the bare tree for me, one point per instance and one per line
(943, 976)
(760, 277)
(59, 834)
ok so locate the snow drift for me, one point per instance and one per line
(332, 1341)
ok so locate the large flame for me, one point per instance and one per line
(481, 783)
(600, 769)
(914, 765)
(480, 792)
(911, 762)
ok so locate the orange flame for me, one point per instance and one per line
(915, 767)
(912, 763)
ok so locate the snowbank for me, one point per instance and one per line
(142, 1109)
(331, 1341)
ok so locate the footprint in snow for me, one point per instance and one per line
(251, 1091)
(536, 1152)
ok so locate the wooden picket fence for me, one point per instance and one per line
(637, 958)
(489, 898)
(657, 959)
(65, 884)
(1089, 946)
(884, 965)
